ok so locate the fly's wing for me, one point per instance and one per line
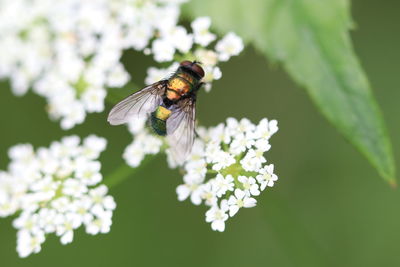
(180, 129)
(139, 104)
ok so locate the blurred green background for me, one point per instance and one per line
(329, 207)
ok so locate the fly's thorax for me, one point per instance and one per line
(180, 84)
(186, 76)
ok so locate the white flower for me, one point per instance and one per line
(262, 145)
(143, 144)
(217, 216)
(28, 243)
(267, 177)
(66, 224)
(100, 224)
(208, 194)
(48, 220)
(45, 189)
(180, 39)
(241, 143)
(74, 114)
(212, 152)
(88, 172)
(156, 74)
(240, 200)
(60, 204)
(74, 188)
(222, 184)
(101, 201)
(151, 144)
(8, 201)
(138, 37)
(118, 76)
(206, 57)
(230, 45)
(219, 134)
(253, 160)
(265, 129)
(250, 187)
(52, 190)
(212, 73)
(196, 169)
(190, 188)
(163, 50)
(200, 28)
(133, 155)
(223, 160)
(93, 99)
(93, 146)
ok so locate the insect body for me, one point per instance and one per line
(169, 105)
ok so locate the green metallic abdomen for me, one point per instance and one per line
(158, 125)
(158, 120)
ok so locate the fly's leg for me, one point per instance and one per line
(198, 86)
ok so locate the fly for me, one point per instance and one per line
(169, 105)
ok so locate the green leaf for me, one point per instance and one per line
(311, 40)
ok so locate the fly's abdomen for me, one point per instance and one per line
(158, 120)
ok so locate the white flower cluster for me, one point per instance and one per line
(227, 168)
(69, 50)
(175, 42)
(55, 190)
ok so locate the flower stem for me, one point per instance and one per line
(124, 172)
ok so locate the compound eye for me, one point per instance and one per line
(186, 63)
(197, 69)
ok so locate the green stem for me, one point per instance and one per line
(124, 172)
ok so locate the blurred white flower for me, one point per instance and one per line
(206, 57)
(65, 48)
(28, 243)
(143, 144)
(249, 185)
(70, 51)
(240, 200)
(163, 50)
(222, 160)
(157, 74)
(201, 32)
(222, 184)
(181, 40)
(217, 216)
(190, 188)
(230, 45)
(53, 190)
(117, 77)
(93, 99)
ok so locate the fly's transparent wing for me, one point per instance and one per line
(180, 129)
(139, 104)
